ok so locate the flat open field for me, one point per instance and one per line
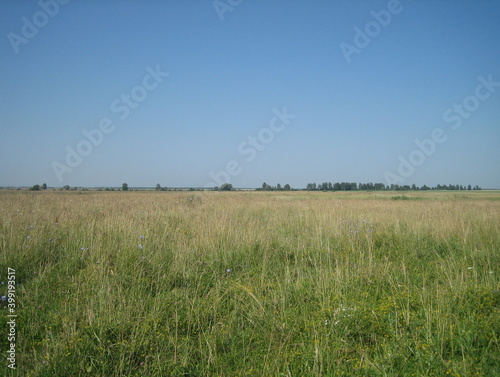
(251, 283)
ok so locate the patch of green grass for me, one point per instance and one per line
(251, 284)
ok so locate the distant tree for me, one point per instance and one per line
(278, 187)
(66, 187)
(44, 186)
(286, 187)
(35, 188)
(125, 187)
(158, 187)
(469, 187)
(226, 187)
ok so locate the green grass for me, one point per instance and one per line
(252, 283)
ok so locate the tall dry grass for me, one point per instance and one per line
(253, 283)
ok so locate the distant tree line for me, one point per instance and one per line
(325, 186)
(224, 187)
(38, 187)
(352, 186)
(160, 188)
(278, 187)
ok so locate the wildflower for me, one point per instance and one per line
(470, 268)
(140, 246)
(141, 237)
(228, 270)
(28, 238)
(4, 298)
(143, 257)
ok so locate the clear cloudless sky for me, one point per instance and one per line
(229, 69)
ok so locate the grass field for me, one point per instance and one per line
(252, 283)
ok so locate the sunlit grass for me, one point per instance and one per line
(253, 283)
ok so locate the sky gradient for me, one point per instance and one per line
(187, 92)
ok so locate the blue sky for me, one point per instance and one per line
(361, 81)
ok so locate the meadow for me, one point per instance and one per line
(252, 283)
